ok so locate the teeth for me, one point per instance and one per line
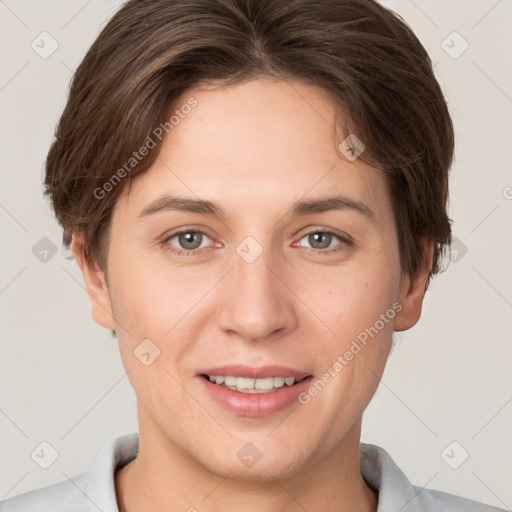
(230, 381)
(246, 385)
(278, 382)
(264, 384)
(242, 383)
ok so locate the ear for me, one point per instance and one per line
(413, 291)
(96, 284)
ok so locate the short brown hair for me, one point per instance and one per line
(151, 51)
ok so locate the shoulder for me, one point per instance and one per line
(396, 492)
(92, 490)
(431, 499)
(64, 496)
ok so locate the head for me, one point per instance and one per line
(254, 112)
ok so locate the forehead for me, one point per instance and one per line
(258, 143)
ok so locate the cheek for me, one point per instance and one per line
(158, 308)
(351, 368)
(350, 300)
(150, 299)
(359, 308)
(362, 328)
(153, 309)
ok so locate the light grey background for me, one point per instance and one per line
(450, 377)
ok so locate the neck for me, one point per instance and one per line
(164, 477)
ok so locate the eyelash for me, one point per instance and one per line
(196, 252)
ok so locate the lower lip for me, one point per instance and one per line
(255, 404)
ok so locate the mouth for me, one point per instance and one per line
(253, 386)
(251, 391)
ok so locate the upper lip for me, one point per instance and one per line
(252, 372)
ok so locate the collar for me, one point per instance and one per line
(381, 473)
(377, 468)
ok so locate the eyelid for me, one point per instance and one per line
(322, 229)
(186, 229)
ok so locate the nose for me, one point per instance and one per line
(257, 301)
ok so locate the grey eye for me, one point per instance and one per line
(188, 240)
(320, 239)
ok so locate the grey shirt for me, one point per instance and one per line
(94, 490)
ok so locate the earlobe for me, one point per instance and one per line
(413, 292)
(95, 283)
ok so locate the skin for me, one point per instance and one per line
(292, 306)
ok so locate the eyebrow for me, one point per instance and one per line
(299, 208)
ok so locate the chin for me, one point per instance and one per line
(251, 463)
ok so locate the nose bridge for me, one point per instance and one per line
(257, 302)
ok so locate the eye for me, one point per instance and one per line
(189, 242)
(320, 241)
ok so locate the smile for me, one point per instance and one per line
(248, 385)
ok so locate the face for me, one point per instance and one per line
(228, 259)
